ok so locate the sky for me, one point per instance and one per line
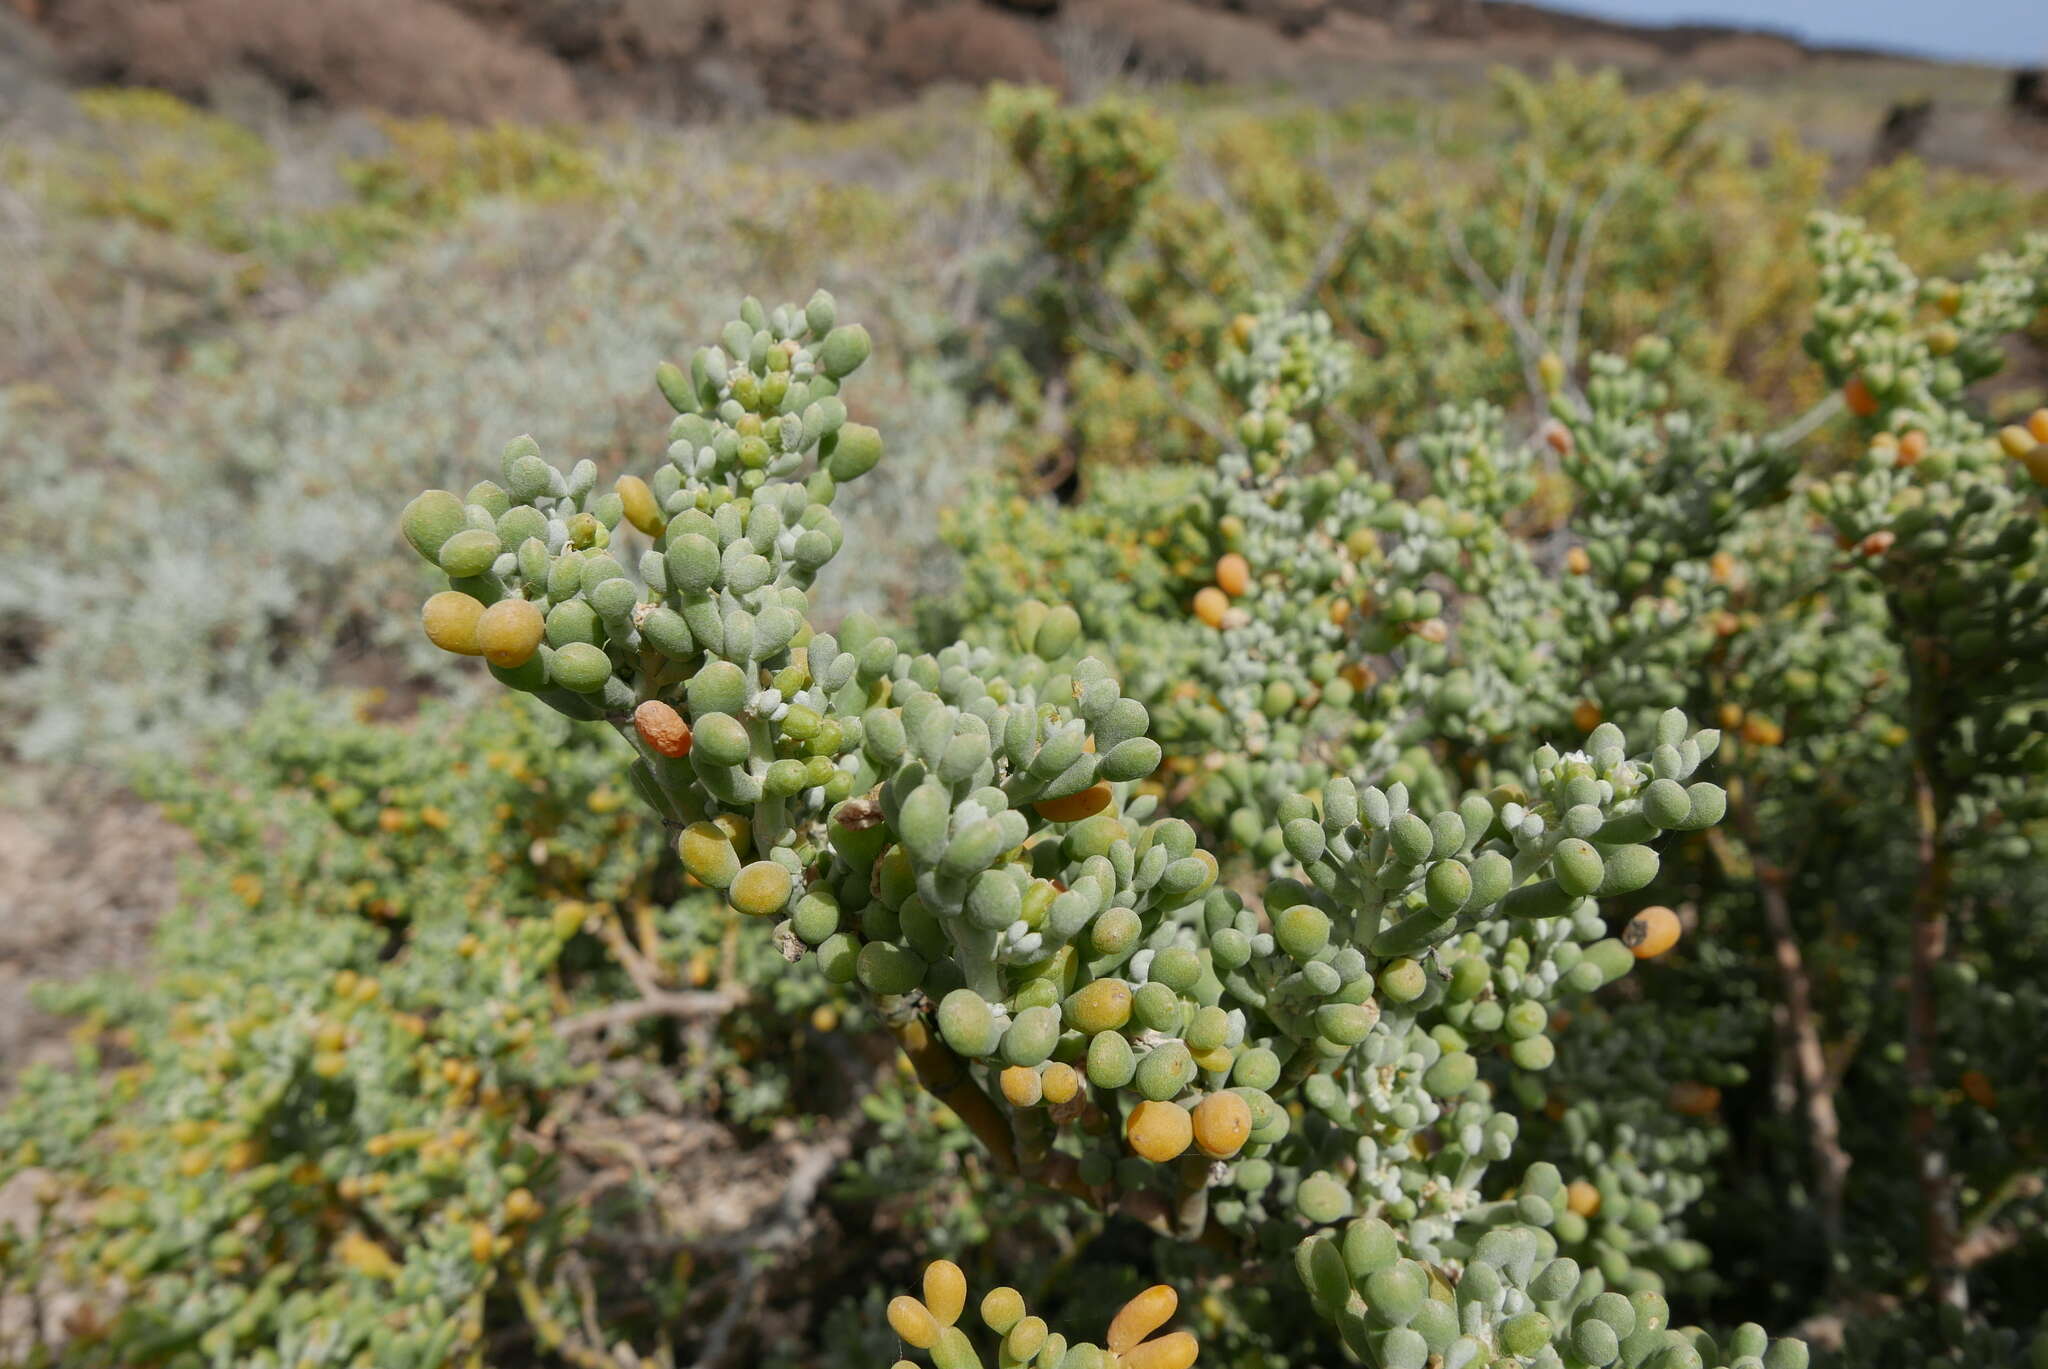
(2003, 32)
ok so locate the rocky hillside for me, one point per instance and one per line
(551, 59)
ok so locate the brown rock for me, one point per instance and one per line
(417, 59)
(965, 41)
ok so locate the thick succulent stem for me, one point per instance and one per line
(1809, 1058)
(1930, 806)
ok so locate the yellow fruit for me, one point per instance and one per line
(509, 632)
(1651, 932)
(2017, 441)
(1073, 807)
(1159, 1131)
(1586, 715)
(1222, 1122)
(761, 889)
(1233, 575)
(1577, 562)
(1211, 604)
(1582, 1198)
(643, 511)
(1102, 1005)
(913, 1322)
(450, 619)
(1059, 1083)
(1141, 1316)
(945, 1291)
(2037, 424)
(1021, 1086)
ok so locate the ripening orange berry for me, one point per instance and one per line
(1021, 1086)
(1577, 562)
(1729, 717)
(1877, 543)
(450, 621)
(1175, 1351)
(1582, 1198)
(1059, 1083)
(1651, 932)
(1141, 1316)
(662, 728)
(1758, 730)
(482, 1244)
(1977, 1087)
(1159, 1131)
(1586, 715)
(1860, 400)
(1721, 566)
(1222, 1124)
(2037, 424)
(1211, 604)
(1073, 807)
(1692, 1098)
(1558, 437)
(1233, 574)
(1912, 447)
(521, 1206)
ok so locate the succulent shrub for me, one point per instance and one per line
(975, 838)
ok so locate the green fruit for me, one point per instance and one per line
(1322, 1199)
(855, 450)
(1031, 1036)
(887, 969)
(1524, 1336)
(967, 1024)
(430, 520)
(720, 739)
(469, 552)
(580, 668)
(843, 350)
(1397, 1292)
(1111, 1065)
(1302, 931)
(1165, 1071)
(1579, 867)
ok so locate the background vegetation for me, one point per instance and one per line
(632, 1133)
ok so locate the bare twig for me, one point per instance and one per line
(686, 1004)
(1528, 345)
(1798, 429)
(1582, 265)
(777, 1233)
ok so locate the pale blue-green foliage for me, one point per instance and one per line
(178, 551)
(974, 835)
